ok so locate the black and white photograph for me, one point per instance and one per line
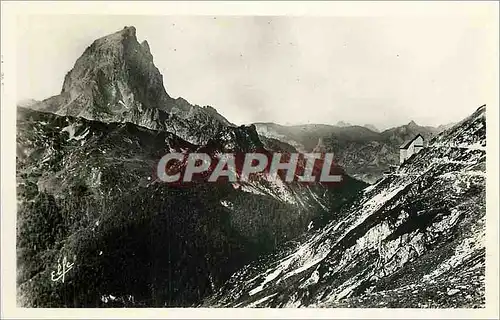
(252, 160)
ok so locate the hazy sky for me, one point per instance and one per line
(289, 70)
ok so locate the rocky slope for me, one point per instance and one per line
(365, 154)
(414, 239)
(87, 191)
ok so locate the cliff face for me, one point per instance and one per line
(414, 239)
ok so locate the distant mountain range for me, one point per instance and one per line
(364, 153)
(27, 103)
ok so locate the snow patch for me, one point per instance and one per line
(256, 303)
(227, 204)
(71, 129)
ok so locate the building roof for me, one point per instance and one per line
(407, 143)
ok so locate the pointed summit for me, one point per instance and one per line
(114, 75)
(145, 45)
(412, 124)
(129, 31)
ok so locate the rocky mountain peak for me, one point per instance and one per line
(116, 80)
(412, 124)
(145, 45)
(129, 31)
(114, 75)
